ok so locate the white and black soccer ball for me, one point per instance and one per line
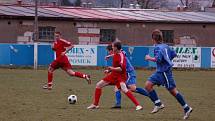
(72, 99)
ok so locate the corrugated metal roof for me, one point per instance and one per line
(106, 14)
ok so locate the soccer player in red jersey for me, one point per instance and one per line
(116, 77)
(61, 47)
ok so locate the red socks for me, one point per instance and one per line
(50, 78)
(97, 96)
(132, 98)
(78, 74)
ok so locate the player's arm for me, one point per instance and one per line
(149, 58)
(53, 47)
(108, 56)
(68, 46)
(173, 53)
(119, 69)
(157, 56)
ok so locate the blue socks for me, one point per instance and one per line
(181, 100)
(142, 91)
(118, 98)
(154, 97)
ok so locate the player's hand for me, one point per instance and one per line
(107, 57)
(147, 57)
(52, 46)
(106, 71)
(63, 53)
(110, 68)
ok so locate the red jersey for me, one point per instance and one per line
(119, 60)
(60, 46)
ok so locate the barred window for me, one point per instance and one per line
(168, 36)
(46, 33)
(107, 35)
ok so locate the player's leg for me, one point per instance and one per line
(117, 98)
(154, 97)
(171, 87)
(142, 91)
(131, 83)
(179, 97)
(97, 94)
(78, 74)
(130, 95)
(51, 70)
(68, 68)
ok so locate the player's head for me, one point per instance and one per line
(109, 49)
(57, 35)
(157, 36)
(116, 46)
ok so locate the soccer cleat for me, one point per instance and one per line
(92, 106)
(139, 107)
(157, 108)
(47, 87)
(87, 77)
(116, 107)
(187, 114)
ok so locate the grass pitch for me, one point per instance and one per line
(23, 99)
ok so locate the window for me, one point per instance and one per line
(107, 35)
(168, 36)
(46, 33)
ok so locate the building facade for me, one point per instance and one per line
(102, 26)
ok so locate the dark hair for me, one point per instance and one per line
(157, 36)
(109, 47)
(58, 33)
(117, 44)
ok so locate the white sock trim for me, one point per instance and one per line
(185, 106)
(157, 101)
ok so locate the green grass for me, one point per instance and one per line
(23, 99)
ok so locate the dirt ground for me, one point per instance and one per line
(23, 99)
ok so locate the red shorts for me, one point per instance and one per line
(114, 79)
(62, 62)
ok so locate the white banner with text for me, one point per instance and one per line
(83, 55)
(187, 57)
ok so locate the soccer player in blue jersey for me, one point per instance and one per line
(130, 82)
(163, 56)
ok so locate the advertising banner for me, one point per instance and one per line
(83, 55)
(187, 57)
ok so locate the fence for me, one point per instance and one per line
(93, 55)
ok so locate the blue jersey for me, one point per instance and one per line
(129, 67)
(164, 56)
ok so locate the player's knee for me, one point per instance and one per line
(149, 86)
(123, 87)
(116, 89)
(50, 69)
(70, 72)
(132, 88)
(100, 84)
(173, 91)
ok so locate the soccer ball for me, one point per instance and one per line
(72, 99)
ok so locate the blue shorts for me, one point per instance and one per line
(163, 78)
(131, 78)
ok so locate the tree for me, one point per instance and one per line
(121, 3)
(71, 2)
(213, 3)
(185, 2)
(146, 4)
(143, 3)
